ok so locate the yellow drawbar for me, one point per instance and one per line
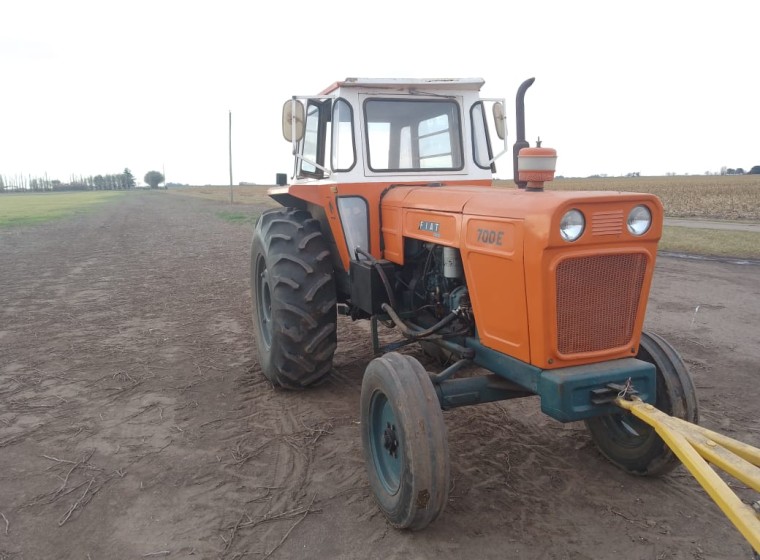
(696, 447)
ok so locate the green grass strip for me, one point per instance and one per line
(711, 242)
(22, 209)
(239, 218)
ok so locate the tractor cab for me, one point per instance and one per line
(372, 130)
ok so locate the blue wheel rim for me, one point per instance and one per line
(385, 443)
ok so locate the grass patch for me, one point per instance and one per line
(238, 217)
(719, 243)
(35, 208)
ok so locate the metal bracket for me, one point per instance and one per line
(608, 394)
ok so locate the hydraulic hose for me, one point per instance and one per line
(414, 334)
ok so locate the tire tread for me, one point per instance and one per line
(302, 284)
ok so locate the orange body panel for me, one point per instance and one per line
(545, 250)
(492, 254)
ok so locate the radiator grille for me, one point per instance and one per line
(597, 299)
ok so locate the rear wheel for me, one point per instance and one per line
(293, 293)
(633, 445)
(404, 441)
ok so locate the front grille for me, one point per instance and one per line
(597, 300)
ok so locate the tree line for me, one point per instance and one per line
(110, 182)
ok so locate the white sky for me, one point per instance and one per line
(93, 87)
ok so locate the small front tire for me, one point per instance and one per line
(404, 441)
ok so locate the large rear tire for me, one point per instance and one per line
(294, 302)
(633, 445)
(404, 441)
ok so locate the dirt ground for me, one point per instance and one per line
(134, 422)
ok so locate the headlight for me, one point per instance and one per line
(571, 225)
(639, 220)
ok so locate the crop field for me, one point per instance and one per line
(722, 197)
(33, 208)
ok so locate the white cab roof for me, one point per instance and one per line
(405, 83)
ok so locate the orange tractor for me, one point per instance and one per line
(392, 216)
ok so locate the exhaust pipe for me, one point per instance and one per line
(520, 143)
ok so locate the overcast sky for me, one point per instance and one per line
(621, 86)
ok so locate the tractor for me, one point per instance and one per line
(392, 215)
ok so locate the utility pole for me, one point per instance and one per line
(230, 143)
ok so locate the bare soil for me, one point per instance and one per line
(134, 422)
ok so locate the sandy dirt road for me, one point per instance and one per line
(134, 422)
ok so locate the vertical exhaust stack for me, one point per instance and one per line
(532, 166)
(520, 142)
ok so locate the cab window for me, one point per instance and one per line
(481, 142)
(413, 135)
(312, 146)
(343, 153)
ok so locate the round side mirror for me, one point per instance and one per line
(292, 129)
(499, 120)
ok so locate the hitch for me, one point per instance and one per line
(613, 391)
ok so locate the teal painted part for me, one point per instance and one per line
(387, 459)
(566, 392)
(512, 369)
(454, 393)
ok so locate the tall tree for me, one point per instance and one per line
(128, 180)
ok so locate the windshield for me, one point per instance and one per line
(413, 135)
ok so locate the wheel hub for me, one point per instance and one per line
(390, 441)
(264, 303)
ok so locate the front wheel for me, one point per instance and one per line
(633, 445)
(404, 441)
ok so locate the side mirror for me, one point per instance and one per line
(293, 128)
(499, 120)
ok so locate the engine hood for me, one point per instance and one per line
(498, 202)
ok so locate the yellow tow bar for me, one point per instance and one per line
(696, 446)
